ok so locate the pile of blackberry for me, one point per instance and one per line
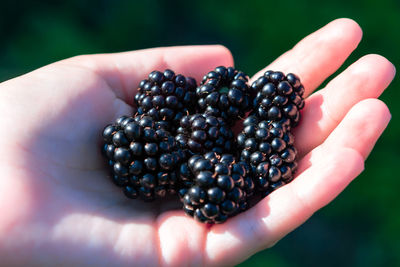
(179, 140)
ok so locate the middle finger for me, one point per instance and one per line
(366, 78)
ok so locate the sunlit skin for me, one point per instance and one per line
(58, 207)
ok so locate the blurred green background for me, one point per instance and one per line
(362, 226)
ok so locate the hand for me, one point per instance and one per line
(59, 208)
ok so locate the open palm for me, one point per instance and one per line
(58, 207)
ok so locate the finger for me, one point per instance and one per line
(181, 239)
(366, 78)
(124, 71)
(362, 127)
(333, 165)
(320, 54)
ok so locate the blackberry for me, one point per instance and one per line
(166, 97)
(268, 148)
(220, 188)
(142, 157)
(201, 133)
(224, 92)
(278, 97)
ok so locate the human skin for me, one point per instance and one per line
(59, 208)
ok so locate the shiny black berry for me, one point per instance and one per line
(143, 158)
(224, 93)
(200, 133)
(278, 97)
(219, 190)
(166, 96)
(267, 146)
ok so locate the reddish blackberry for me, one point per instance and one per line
(142, 157)
(220, 188)
(166, 97)
(268, 148)
(200, 133)
(278, 97)
(224, 92)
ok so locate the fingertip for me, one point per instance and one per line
(197, 60)
(223, 56)
(385, 65)
(225, 53)
(346, 34)
(348, 25)
(220, 53)
(376, 110)
(361, 127)
(377, 64)
(372, 108)
(184, 248)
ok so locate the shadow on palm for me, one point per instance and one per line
(68, 174)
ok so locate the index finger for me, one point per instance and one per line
(123, 71)
(319, 54)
